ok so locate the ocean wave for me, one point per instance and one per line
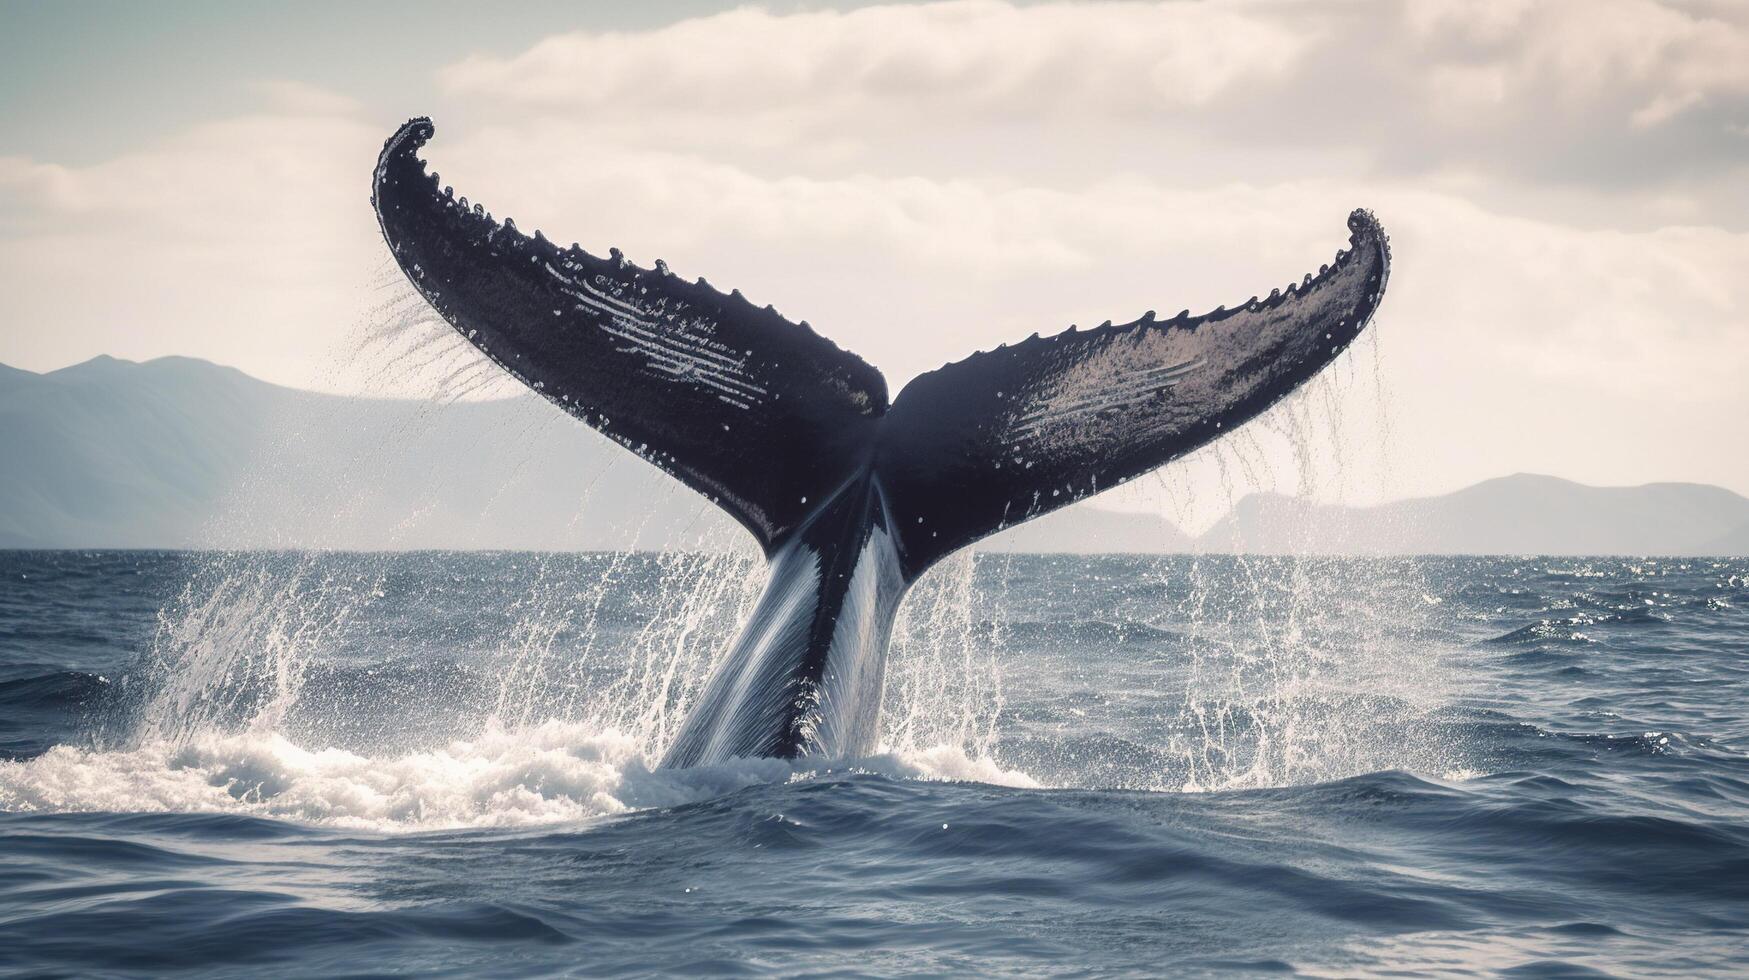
(36, 708)
(1572, 629)
(60, 688)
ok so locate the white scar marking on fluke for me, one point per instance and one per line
(671, 357)
(1092, 395)
(678, 351)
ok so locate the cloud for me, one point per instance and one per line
(303, 99)
(1587, 92)
(968, 56)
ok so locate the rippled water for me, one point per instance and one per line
(434, 763)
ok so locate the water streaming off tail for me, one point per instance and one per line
(944, 678)
(1301, 667)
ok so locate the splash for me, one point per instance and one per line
(264, 684)
(554, 772)
(233, 649)
(593, 660)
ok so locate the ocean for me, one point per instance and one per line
(442, 764)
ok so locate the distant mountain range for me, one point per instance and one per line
(1520, 514)
(179, 452)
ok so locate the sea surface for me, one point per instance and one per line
(442, 764)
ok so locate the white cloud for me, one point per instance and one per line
(977, 56)
(1561, 91)
(303, 99)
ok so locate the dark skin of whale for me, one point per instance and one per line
(850, 495)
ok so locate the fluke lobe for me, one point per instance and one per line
(850, 495)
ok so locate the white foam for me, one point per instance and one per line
(555, 772)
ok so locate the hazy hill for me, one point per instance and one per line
(1519, 514)
(1730, 543)
(179, 452)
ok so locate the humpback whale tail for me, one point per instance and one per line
(851, 496)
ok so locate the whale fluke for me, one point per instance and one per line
(850, 497)
(743, 406)
(1007, 435)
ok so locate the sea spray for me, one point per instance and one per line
(232, 650)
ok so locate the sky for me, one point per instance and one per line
(1565, 183)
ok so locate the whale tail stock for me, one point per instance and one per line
(780, 428)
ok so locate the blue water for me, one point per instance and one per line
(440, 764)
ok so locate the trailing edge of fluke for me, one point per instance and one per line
(851, 495)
